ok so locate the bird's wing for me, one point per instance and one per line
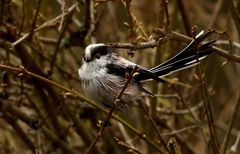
(120, 66)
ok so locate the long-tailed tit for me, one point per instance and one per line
(103, 72)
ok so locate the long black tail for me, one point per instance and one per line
(188, 57)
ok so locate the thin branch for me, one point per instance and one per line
(211, 126)
(230, 127)
(225, 54)
(81, 97)
(234, 147)
(57, 46)
(92, 22)
(56, 140)
(166, 150)
(172, 35)
(217, 11)
(81, 129)
(136, 46)
(226, 42)
(185, 17)
(2, 10)
(180, 112)
(60, 68)
(20, 115)
(63, 9)
(45, 25)
(166, 19)
(103, 124)
(186, 106)
(129, 148)
(139, 133)
(19, 130)
(174, 132)
(23, 18)
(224, 127)
(134, 24)
(235, 16)
(35, 19)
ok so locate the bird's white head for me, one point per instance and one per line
(95, 51)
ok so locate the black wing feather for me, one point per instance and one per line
(116, 69)
(121, 71)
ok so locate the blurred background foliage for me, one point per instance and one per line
(48, 37)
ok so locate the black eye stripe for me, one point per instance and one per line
(100, 51)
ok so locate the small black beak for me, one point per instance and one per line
(86, 59)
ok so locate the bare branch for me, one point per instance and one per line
(171, 36)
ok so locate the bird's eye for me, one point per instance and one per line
(98, 55)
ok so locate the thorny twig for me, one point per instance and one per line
(134, 24)
(212, 129)
(207, 107)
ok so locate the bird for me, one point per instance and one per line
(103, 71)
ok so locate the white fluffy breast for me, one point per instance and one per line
(90, 70)
(96, 68)
(91, 75)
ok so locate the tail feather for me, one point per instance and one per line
(187, 51)
(188, 57)
(179, 65)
